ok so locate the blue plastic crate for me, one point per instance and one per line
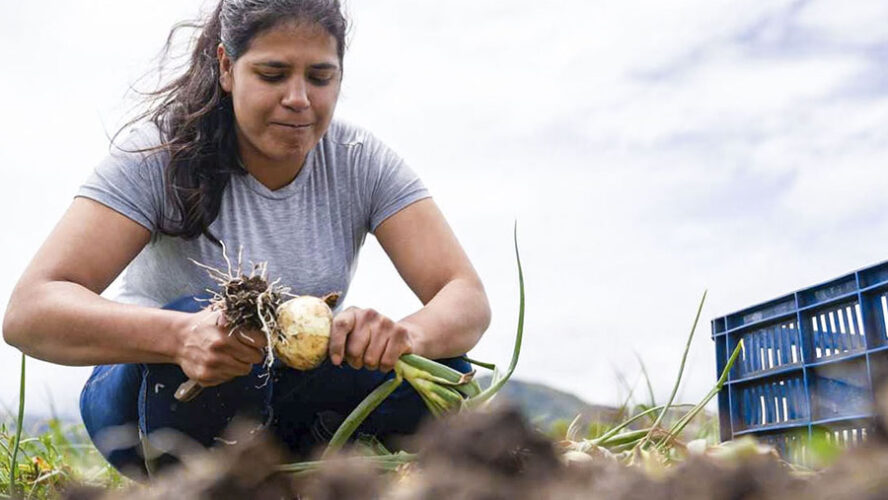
(808, 365)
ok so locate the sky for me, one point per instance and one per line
(648, 151)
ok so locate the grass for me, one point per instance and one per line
(684, 358)
(663, 441)
(671, 421)
(18, 429)
(52, 459)
(44, 463)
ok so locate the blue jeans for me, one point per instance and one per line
(120, 402)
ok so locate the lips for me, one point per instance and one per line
(293, 125)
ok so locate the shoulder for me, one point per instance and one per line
(366, 151)
(130, 178)
(142, 135)
(343, 134)
(139, 145)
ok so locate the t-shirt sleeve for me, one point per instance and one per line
(393, 184)
(130, 181)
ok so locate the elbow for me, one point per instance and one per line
(484, 313)
(12, 326)
(18, 322)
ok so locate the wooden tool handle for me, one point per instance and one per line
(188, 391)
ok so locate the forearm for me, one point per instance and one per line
(65, 323)
(452, 322)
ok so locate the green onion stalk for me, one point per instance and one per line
(684, 358)
(18, 430)
(682, 422)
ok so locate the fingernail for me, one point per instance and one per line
(335, 359)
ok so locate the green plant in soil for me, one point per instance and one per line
(43, 465)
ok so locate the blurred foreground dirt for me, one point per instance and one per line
(497, 455)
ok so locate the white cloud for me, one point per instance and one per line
(853, 22)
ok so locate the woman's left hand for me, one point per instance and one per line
(364, 338)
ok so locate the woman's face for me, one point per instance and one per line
(284, 89)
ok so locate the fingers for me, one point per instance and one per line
(398, 345)
(358, 340)
(343, 324)
(252, 338)
(216, 371)
(383, 327)
(245, 354)
(211, 354)
(365, 338)
(374, 352)
(249, 346)
(242, 345)
(210, 369)
(228, 358)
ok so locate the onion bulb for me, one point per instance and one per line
(304, 325)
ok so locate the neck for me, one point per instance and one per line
(272, 175)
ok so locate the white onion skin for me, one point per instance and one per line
(304, 323)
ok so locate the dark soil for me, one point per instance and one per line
(498, 455)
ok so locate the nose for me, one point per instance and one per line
(296, 96)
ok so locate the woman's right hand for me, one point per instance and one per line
(209, 355)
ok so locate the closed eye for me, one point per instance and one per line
(271, 77)
(320, 81)
(322, 77)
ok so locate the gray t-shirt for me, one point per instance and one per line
(309, 232)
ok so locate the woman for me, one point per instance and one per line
(242, 150)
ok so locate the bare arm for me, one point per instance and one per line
(431, 261)
(455, 310)
(55, 312)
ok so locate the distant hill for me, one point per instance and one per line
(545, 405)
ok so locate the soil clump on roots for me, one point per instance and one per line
(247, 302)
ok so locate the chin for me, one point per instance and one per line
(289, 155)
(283, 150)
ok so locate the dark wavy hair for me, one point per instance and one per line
(196, 117)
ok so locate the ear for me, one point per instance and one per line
(225, 68)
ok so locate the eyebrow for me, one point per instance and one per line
(282, 65)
